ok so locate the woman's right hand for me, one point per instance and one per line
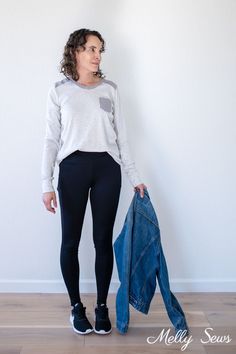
(48, 198)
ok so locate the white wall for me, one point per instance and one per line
(175, 64)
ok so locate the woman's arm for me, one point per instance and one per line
(122, 142)
(51, 141)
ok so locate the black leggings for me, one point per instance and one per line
(80, 173)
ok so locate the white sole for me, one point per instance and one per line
(102, 331)
(76, 330)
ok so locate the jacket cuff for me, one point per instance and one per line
(122, 327)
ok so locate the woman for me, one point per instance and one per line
(86, 134)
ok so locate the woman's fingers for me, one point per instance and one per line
(140, 188)
(55, 200)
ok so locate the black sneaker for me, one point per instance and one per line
(102, 321)
(79, 321)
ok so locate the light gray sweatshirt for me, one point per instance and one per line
(86, 118)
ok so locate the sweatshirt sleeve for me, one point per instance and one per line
(51, 140)
(122, 142)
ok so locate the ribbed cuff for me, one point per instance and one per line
(47, 186)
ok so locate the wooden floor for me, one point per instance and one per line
(39, 324)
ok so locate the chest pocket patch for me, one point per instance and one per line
(105, 103)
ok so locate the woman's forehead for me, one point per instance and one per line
(94, 41)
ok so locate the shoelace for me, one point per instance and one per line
(79, 312)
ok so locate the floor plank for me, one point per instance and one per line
(39, 323)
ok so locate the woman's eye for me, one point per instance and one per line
(93, 49)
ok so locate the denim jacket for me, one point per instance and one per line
(140, 259)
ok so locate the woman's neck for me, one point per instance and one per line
(88, 79)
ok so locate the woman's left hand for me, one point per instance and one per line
(140, 188)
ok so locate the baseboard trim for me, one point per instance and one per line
(89, 285)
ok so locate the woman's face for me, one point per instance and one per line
(88, 59)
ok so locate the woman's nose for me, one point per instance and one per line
(98, 55)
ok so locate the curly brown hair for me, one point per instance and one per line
(77, 39)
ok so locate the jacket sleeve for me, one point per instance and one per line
(122, 142)
(122, 249)
(51, 140)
